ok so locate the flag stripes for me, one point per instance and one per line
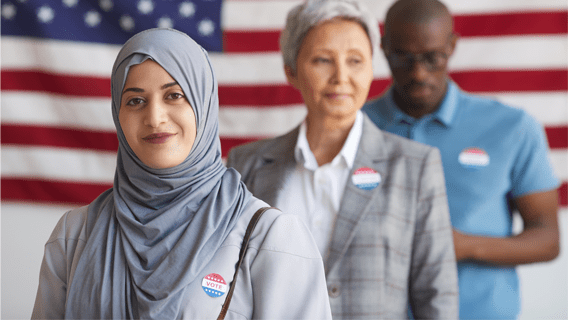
(66, 192)
(281, 94)
(478, 25)
(58, 140)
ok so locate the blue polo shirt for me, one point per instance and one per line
(491, 154)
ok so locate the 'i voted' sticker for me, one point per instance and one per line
(214, 285)
(366, 178)
(473, 158)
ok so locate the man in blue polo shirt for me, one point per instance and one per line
(494, 156)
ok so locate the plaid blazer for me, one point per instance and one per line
(392, 246)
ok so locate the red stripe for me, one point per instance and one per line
(563, 195)
(50, 191)
(228, 143)
(283, 94)
(512, 24)
(480, 25)
(37, 190)
(512, 80)
(83, 86)
(472, 81)
(244, 41)
(557, 137)
(25, 135)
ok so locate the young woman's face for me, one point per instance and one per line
(156, 118)
(334, 69)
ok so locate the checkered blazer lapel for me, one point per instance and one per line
(356, 203)
(278, 162)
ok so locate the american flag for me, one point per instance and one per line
(58, 139)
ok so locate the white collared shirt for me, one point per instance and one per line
(314, 193)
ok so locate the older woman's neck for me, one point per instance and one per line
(326, 136)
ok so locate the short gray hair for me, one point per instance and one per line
(313, 12)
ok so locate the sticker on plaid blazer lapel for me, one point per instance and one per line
(366, 178)
(214, 285)
(473, 158)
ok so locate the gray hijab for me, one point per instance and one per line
(150, 235)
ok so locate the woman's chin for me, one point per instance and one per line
(161, 162)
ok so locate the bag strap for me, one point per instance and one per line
(244, 247)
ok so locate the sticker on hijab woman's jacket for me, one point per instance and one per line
(214, 285)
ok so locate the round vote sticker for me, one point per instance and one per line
(366, 178)
(473, 158)
(214, 285)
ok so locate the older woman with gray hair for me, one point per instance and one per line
(375, 202)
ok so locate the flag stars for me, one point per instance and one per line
(106, 5)
(92, 18)
(206, 27)
(70, 3)
(165, 22)
(8, 11)
(126, 23)
(186, 9)
(145, 6)
(45, 14)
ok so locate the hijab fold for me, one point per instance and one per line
(152, 233)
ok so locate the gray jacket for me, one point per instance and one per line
(391, 246)
(280, 278)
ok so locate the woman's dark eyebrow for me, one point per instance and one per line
(133, 90)
(165, 86)
(171, 84)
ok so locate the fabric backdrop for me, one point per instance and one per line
(58, 143)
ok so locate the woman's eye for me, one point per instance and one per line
(135, 102)
(175, 96)
(322, 60)
(355, 60)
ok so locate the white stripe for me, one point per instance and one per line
(55, 110)
(490, 6)
(519, 52)
(58, 164)
(66, 57)
(243, 69)
(92, 166)
(259, 122)
(259, 15)
(550, 109)
(94, 114)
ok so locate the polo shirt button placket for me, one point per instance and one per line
(334, 291)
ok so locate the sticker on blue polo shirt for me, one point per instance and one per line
(366, 178)
(473, 158)
(214, 285)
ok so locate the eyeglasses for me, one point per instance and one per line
(433, 60)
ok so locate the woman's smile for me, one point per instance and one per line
(158, 138)
(337, 96)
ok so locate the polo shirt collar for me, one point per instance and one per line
(444, 114)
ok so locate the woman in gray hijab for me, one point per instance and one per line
(163, 242)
